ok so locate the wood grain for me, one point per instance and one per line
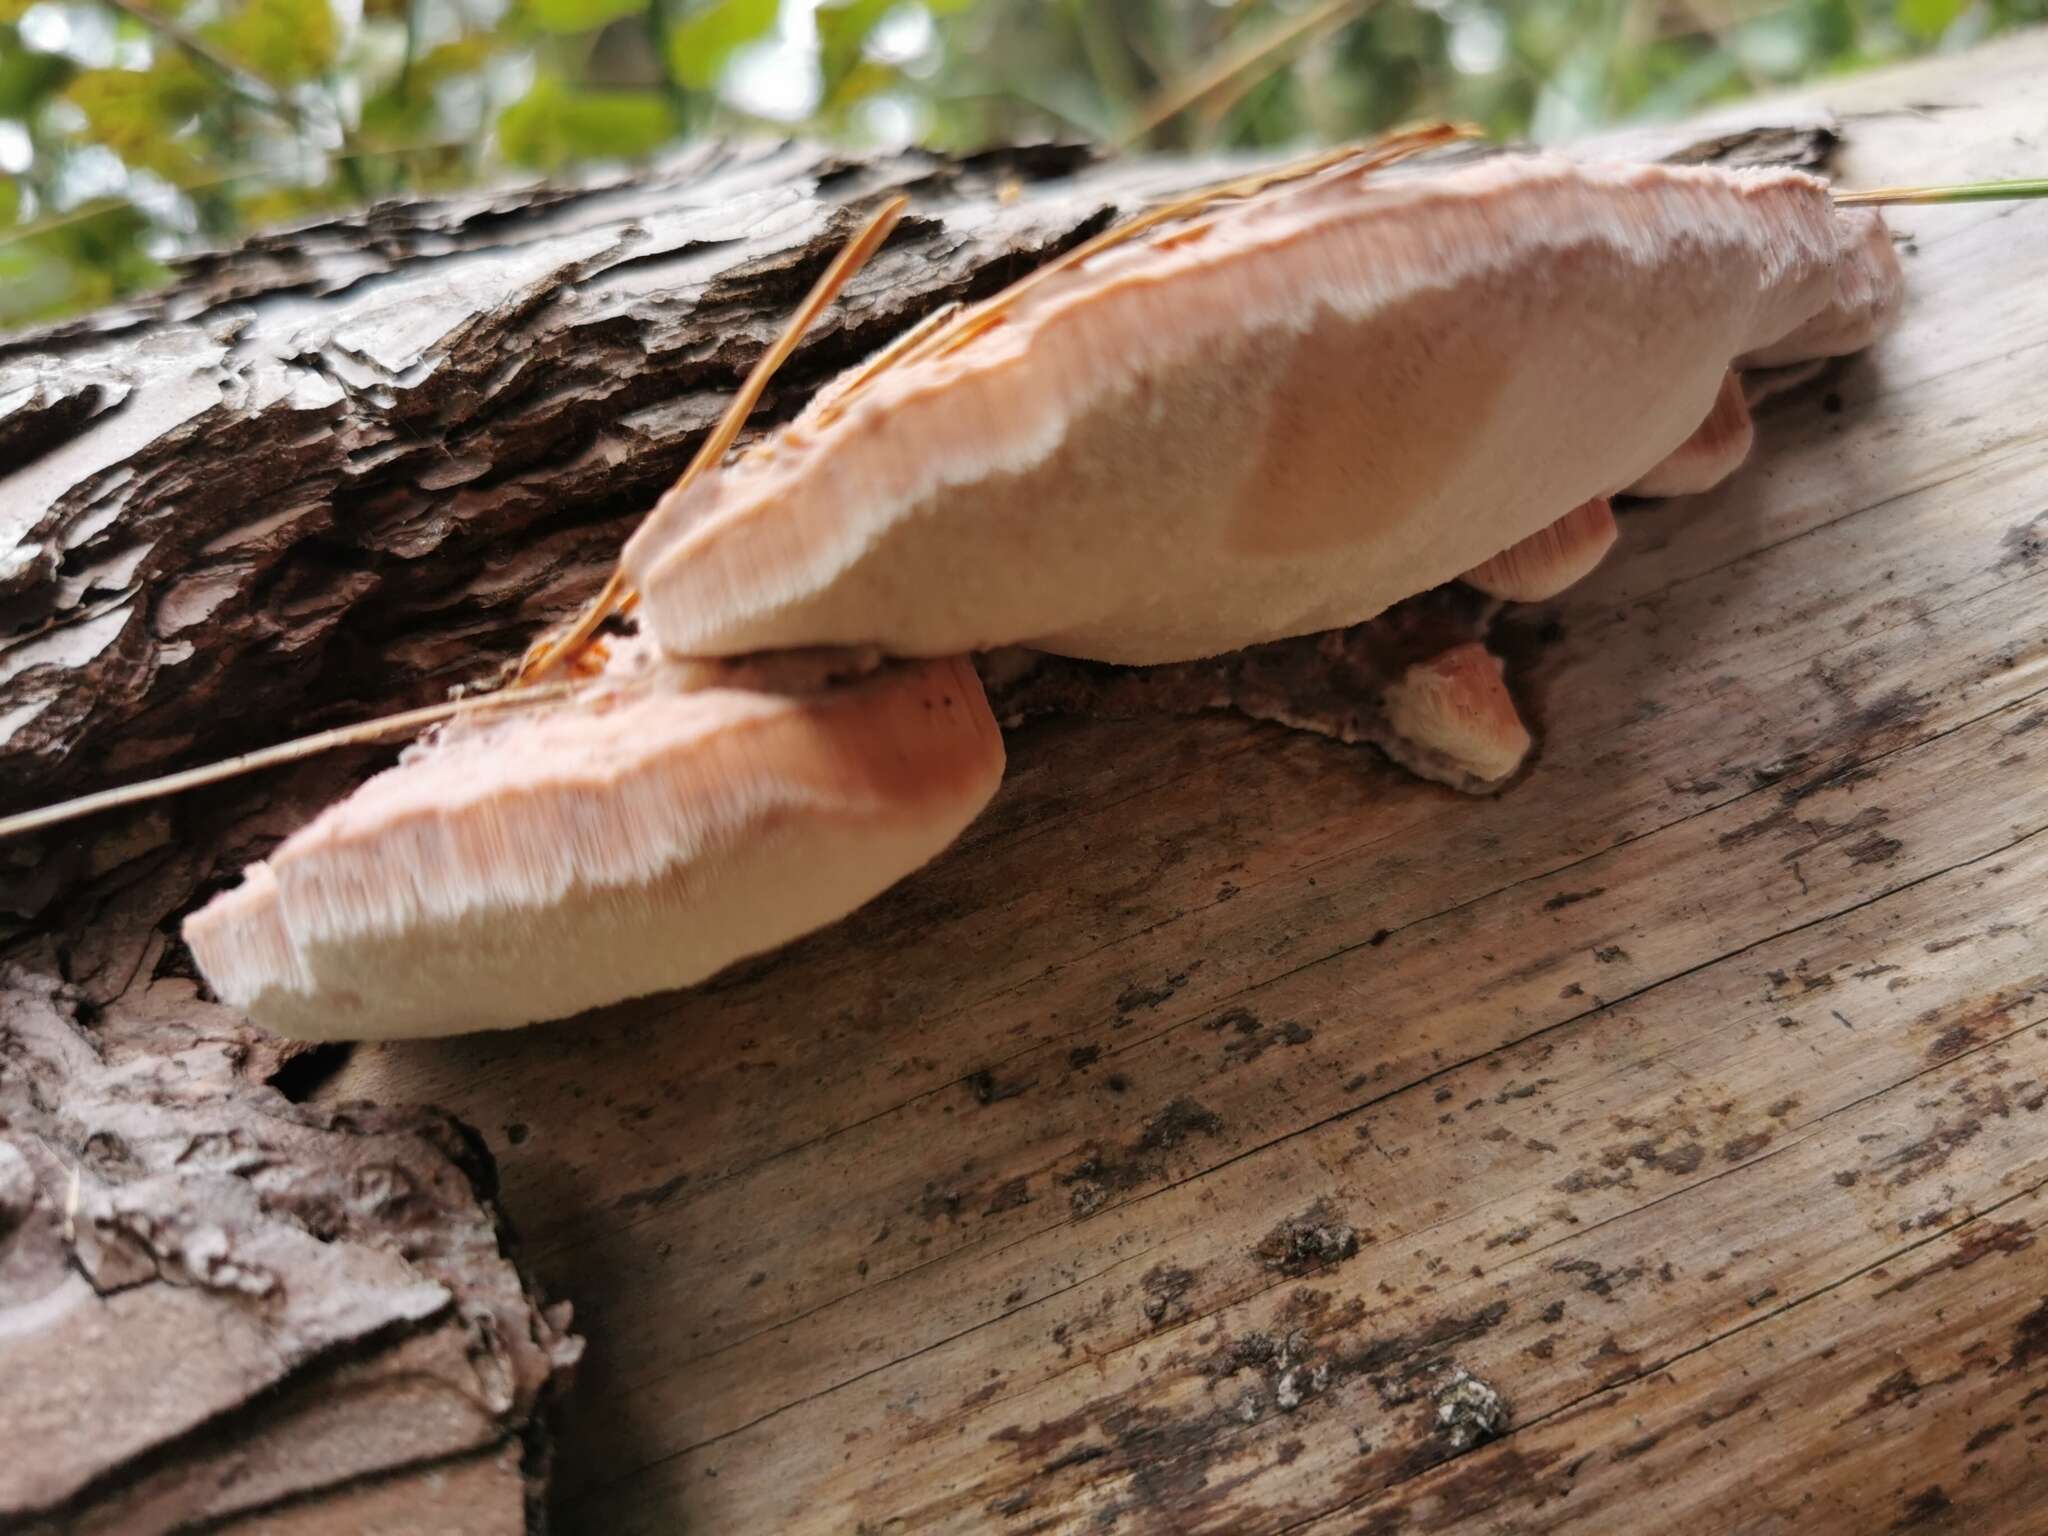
(1157, 1160)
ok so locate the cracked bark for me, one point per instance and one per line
(330, 473)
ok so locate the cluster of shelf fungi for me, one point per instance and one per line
(346, 1266)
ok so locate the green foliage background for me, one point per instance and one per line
(133, 129)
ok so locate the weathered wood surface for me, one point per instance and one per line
(1159, 1157)
(1155, 1160)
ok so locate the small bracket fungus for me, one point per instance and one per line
(533, 865)
(1870, 289)
(1550, 559)
(1715, 450)
(1456, 716)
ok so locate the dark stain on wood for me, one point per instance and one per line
(1080, 1456)
(1387, 1520)
(1009, 1195)
(1182, 1118)
(1397, 1362)
(1923, 1509)
(1132, 998)
(1951, 1042)
(938, 1204)
(1565, 899)
(1164, 1286)
(1896, 1388)
(2025, 543)
(981, 1394)
(1636, 1448)
(1682, 1159)
(987, 1088)
(1985, 1436)
(1817, 832)
(1250, 1038)
(1584, 1180)
(2029, 1340)
(1929, 1153)
(1614, 1362)
(1098, 1174)
(1983, 1020)
(1742, 1148)
(1036, 1445)
(1709, 1417)
(1501, 1474)
(1874, 849)
(652, 1195)
(1598, 1280)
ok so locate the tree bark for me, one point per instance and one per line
(332, 473)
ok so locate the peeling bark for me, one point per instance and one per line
(218, 1301)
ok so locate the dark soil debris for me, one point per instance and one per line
(1318, 1238)
(1469, 1412)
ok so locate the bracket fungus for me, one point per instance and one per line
(1715, 450)
(640, 836)
(1454, 718)
(1869, 291)
(1278, 418)
(1273, 410)
(1550, 559)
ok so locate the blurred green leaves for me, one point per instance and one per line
(1927, 20)
(138, 113)
(843, 30)
(283, 42)
(77, 264)
(578, 15)
(131, 129)
(28, 78)
(703, 42)
(556, 123)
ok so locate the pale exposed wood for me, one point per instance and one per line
(475, 1496)
(1152, 1161)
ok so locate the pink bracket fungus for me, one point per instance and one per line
(1550, 559)
(1272, 416)
(1346, 390)
(1453, 715)
(638, 837)
(1715, 450)
(1870, 289)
